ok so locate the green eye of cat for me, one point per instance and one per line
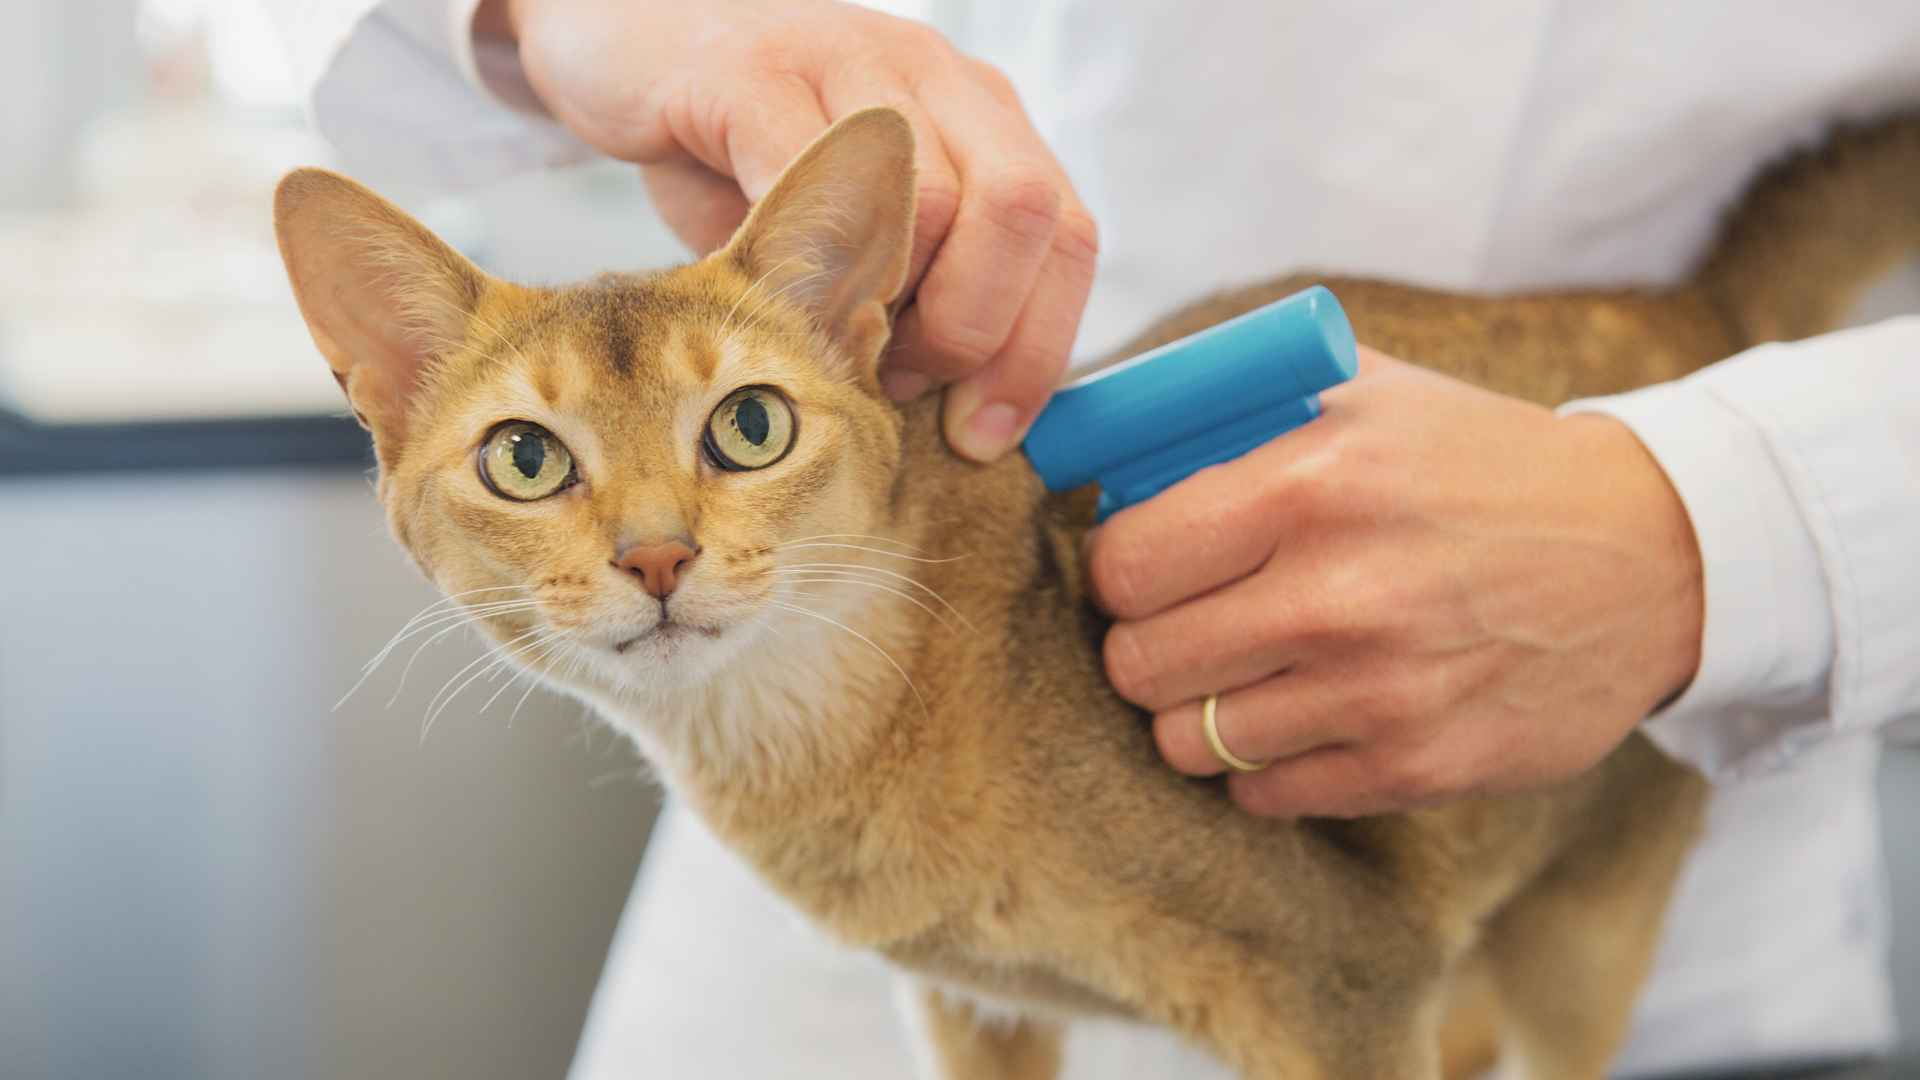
(524, 462)
(752, 429)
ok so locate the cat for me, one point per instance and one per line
(873, 669)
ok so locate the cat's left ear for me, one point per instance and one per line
(835, 234)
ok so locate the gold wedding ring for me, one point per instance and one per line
(1210, 723)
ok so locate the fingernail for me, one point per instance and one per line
(902, 385)
(990, 431)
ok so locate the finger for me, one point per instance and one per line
(1271, 721)
(1214, 527)
(1333, 781)
(987, 413)
(1231, 637)
(768, 124)
(1011, 199)
(701, 206)
(1234, 636)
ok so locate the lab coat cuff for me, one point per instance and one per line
(1842, 411)
(490, 66)
(1766, 639)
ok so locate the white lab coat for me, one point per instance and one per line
(1491, 144)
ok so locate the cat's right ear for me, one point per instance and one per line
(382, 296)
(834, 236)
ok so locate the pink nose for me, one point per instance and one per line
(658, 566)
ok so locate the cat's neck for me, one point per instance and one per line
(820, 754)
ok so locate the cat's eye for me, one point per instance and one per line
(523, 461)
(752, 429)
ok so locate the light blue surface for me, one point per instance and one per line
(1154, 420)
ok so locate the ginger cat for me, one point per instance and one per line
(871, 666)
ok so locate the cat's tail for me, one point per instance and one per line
(1817, 229)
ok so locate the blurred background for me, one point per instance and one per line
(207, 869)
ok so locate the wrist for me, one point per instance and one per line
(1645, 515)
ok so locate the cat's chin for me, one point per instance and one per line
(665, 638)
(667, 656)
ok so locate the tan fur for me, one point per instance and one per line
(1002, 824)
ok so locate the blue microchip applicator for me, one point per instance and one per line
(1143, 425)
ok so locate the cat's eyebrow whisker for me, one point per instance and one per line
(727, 319)
(838, 576)
(503, 339)
(804, 279)
(929, 590)
(902, 672)
(876, 551)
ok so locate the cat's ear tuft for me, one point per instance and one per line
(835, 234)
(382, 296)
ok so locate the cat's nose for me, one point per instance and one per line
(658, 566)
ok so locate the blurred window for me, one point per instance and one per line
(138, 275)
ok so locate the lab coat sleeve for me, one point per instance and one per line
(1799, 465)
(405, 94)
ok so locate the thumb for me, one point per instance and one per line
(702, 207)
(767, 126)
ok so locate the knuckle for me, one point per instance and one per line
(1126, 665)
(969, 347)
(1115, 574)
(1316, 614)
(918, 39)
(1407, 777)
(775, 56)
(1402, 699)
(1024, 201)
(937, 202)
(1076, 238)
(994, 79)
(1255, 796)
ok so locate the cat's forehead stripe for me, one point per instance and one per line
(697, 351)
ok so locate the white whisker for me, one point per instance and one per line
(889, 573)
(494, 655)
(902, 672)
(469, 618)
(846, 536)
(825, 576)
(546, 645)
(876, 551)
(419, 624)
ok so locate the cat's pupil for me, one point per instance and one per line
(752, 420)
(529, 454)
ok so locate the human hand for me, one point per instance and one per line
(713, 100)
(1430, 591)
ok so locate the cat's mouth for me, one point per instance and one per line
(665, 632)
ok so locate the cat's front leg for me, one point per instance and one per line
(961, 1041)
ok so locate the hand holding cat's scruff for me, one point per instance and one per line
(1003, 249)
(1431, 591)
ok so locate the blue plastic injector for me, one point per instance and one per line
(1145, 424)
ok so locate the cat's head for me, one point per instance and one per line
(618, 474)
